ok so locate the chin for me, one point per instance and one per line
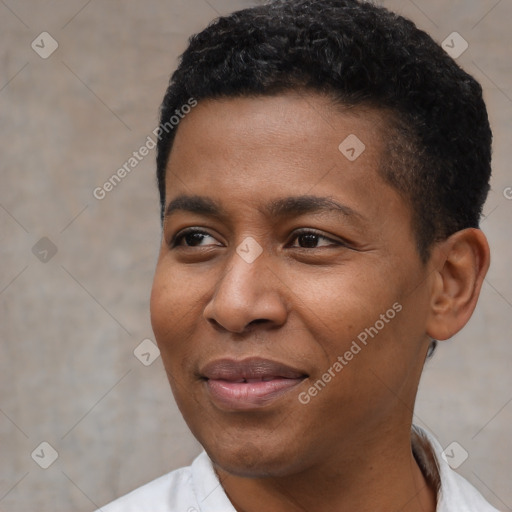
(252, 460)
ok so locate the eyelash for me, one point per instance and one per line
(177, 239)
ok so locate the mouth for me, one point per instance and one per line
(250, 383)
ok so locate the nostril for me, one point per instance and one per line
(216, 325)
(258, 321)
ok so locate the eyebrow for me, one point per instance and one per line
(283, 207)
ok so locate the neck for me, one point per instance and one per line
(365, 476)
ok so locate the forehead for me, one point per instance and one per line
(282, 121)
(256, 149)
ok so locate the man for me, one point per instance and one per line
(321, 188)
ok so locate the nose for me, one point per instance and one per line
(247, 294)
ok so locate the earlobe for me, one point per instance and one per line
(460, 265)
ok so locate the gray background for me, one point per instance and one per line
(69, 326)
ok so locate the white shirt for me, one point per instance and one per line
(196, 488)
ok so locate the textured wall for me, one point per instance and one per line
(70, 321)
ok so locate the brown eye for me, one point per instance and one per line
(192, 238)
(312, 240)
(308, 241)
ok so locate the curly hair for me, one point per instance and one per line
(438, 147)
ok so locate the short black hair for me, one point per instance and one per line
(438, 147)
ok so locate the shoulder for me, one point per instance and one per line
(168, 493)
(189, 489)
(455, 494)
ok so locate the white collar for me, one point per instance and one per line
(454, 494)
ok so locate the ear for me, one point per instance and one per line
(460, 265)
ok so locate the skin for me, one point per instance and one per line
(302, 302)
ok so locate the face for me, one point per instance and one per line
(289, 300)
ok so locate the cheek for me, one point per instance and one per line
(168, 310)
(344, 303)
(176, 307)
(363, 318)
(161, 302)
(170, 305)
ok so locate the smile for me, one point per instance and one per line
(250, 383)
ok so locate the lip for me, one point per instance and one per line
(249, 383)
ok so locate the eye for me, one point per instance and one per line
(312, 240)
(192, 238)
(306, 239)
